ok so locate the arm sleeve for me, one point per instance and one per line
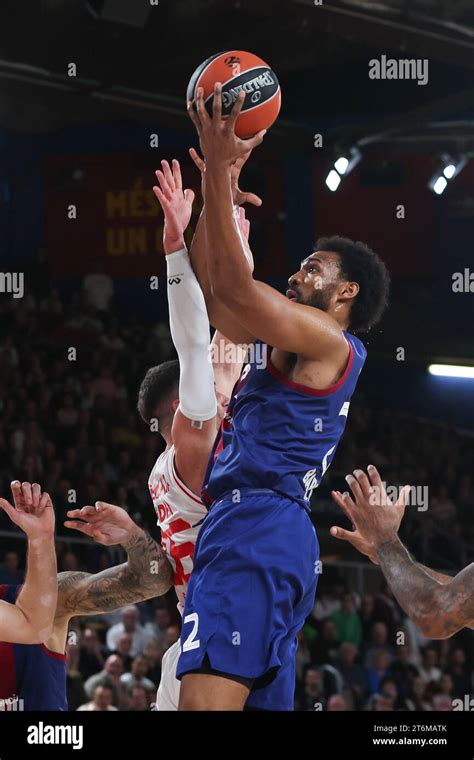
(189, 325)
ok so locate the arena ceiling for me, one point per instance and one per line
(138, 64)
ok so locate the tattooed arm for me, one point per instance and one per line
(146, 574)
(439, 609)
(438, 604)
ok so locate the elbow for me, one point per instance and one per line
(435, 625)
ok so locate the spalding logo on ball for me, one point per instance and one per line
(238, 70)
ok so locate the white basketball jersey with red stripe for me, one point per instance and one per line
(180, 513)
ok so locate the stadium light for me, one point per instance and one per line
(447, 169)
(333, 180)
(452, 370)
(342, 167)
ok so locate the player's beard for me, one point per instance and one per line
(320, 299)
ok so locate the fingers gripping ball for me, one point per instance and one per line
(238, 70)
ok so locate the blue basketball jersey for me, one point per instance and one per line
(32, 677)
(278, 434)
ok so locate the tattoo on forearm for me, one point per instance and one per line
(442, 608)
(146, 574)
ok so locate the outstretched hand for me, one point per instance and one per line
(105, 523)
(32, 510)
(375, 519)
(177, 205)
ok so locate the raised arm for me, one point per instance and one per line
(438, 604)
(257, 307)
(146, 573)
(30, 620)
(220, 316)
(195, 422)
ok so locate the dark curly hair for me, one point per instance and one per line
(159, 386)
(358, 263)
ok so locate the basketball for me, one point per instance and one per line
(238, 70)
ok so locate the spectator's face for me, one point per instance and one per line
(124, 644)
(383, 704)
(162, 618)
(70, 561)
(139, 699)
(102, 697)
(348, 604)
(337, 703)
(348, 653)
(329, 630)
(418, 688)
(171, 635)
(430, 659)
(113, 666)
(403, 654)
(446, 683)
(443, 703)
(379, 635)
(139, 667)
(90, 639)
(312, 683)
(368, 604)
(129, 619)
(12, 561)
(389, 690)
(381, 661)
(458, 657)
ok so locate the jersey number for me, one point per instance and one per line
(191, 642)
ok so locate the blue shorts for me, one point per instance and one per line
(253, 585)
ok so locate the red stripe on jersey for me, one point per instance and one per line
(8, 684)
(54, 655)
(181, 485)
(305, 388)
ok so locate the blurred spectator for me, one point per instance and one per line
(429, 670)
(348, 624)
(337, 703)
(354, 674)
(416, 697)
(137, 676)
(99, 288)
(101, 700)
(109, 676)
(91, 658)
(139, 699)
(9, 569)
(130, 624)
(459, 673)
(161, 621)
(124, 647)
(377, 669)
(76, 694)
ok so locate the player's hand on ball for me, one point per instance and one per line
(32, 511)
(177, 205)
(239, 196)
(105, 523)
(219, 143)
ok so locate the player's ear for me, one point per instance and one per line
(348, 291)
(175, 404)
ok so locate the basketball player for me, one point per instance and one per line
(256, 560)
(36, 673)
(439, 604)
(181, 397)
(28, 619)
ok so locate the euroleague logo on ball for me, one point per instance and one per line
(237, 71)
